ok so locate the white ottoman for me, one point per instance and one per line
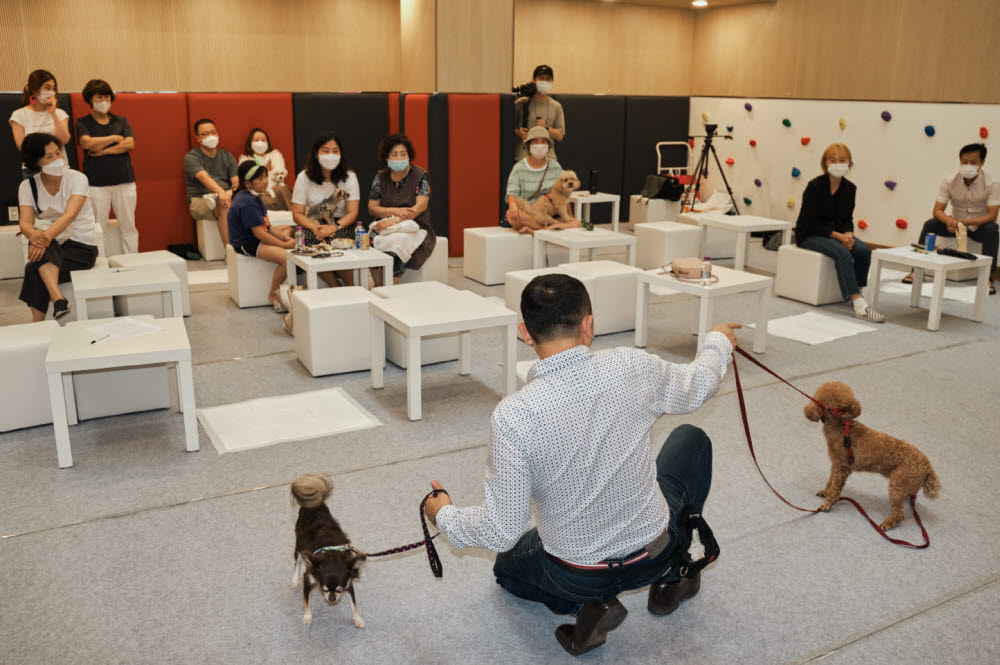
(517, 280)
(209, 240)
(433, 348)
(97, 308)
(113, 392)
(659, 243)
(435, 268)
(324, 318)
(612, 296)
(642, 210)
(968, 273)
(150, 304)
(494, 251)
(720, 244)
(806, 276)
(24, 392)
(11, 255)
(249, 279)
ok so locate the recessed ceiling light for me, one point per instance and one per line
(700, 3)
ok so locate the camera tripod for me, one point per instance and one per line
(687, 201)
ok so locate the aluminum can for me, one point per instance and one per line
(929, 241)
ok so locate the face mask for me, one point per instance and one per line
(398, 164)
(55, 168)
(329, 161)
(45, 95)
(210, 141)
(837, 170)
(539, 150)
(969, 171)
(544, 87)
(102, 107)
(253, 191)
(259, 147)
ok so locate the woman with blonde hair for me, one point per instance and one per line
(826, 225)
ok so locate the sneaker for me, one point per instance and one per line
(60, 308)
(870, 314)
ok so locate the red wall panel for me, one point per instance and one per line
(473, 190)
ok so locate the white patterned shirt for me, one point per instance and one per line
(575, 440)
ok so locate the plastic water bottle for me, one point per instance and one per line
(359, 231)
(706, 272)
(300, 239)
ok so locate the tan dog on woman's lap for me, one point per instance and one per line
(551, 210)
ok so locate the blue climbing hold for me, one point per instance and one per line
(929, 130)
(729, 128)
(795, 172)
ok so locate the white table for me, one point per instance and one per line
(460, 312)
(940, 265)
(743, 226)
(576, 239)
(583, 199)
(70, 350)
(358, 260)
(730, 282)
(128, 282)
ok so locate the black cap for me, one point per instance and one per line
(542, 70)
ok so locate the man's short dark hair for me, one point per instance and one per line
(974, 147)
(201, 122)
(390, 142)
(542, 70)
(33, 149)
(553, 306)
(97, 87)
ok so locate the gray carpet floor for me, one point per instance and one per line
(143, 553)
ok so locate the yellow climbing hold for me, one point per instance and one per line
(790, 202)
(705, 116)
(843, 123)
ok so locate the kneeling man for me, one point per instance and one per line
(576, 441)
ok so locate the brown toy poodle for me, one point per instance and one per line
(907, 469)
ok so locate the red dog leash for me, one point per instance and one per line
(432, 556)
(847, 439)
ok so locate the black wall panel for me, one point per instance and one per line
(649, 120)
(438, 162)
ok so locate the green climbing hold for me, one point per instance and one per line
(786, 122)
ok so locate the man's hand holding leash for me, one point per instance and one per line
(434, 503)
(727, 330)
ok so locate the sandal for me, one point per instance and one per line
(908, 279)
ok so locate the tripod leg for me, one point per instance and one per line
(723, 174)
(692, 193)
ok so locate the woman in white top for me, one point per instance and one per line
(58, 222)
(258, 145)
(327, 196)
(39, 112)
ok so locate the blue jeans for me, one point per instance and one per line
(684, 473)
(852, 264)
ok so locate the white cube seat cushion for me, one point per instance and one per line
(517, 280)
(324, 318)
(435, 268)
(151, 304)
(612, 296)
(659, 243)
(11, 254)
(209, 241)
(494, 251)
(97, 308)
(24, 391)
(642, 210)
(973, 246)
(249, 279)
(433, 348)
(806, 276)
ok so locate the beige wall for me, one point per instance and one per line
(475, 45)
(904, 50)
(604, 48)
(418, 33)
(195, 45)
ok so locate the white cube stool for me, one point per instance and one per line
(326, 317)
(102, 393)
(24, 392)
(209, 241)
(493, 251)
(433, 348)
(806, 276)
(249, 279)
(516, 280)
(11, 255)
(97, 308)
(659, 243)
(150, 304)
(720, 244)
(435, 268)
(612, 296)
(642, 210)
(973, 246)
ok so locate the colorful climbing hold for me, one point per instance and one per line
(983, 132)
(691, 142)
(704, 172)
(886, 116)
(753, 143)
(746, 200)
(790, 202)
(843, 123)
(730, 161)
(862, 224)
(757, 182)
(786, 122)
(796, 172)
(705, 116)
(805, 140)
(891, 184)
(748, 106)
(929, 130)
(729, 128)
(901, 224)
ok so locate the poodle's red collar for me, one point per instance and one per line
(847, 431)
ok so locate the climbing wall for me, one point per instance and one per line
(901, 153)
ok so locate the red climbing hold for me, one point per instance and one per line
(901, 224)
(805, 140)
(862, 224)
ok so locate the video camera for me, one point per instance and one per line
(527, 90)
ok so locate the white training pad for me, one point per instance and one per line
(814, 328)
(217, 276)
(266, 421)
(891, 282)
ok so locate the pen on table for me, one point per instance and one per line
(123, 270)
(94, 341)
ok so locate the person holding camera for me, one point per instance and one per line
(535, 108)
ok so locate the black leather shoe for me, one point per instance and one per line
(60, 308)
(666, 597)
(593, 624)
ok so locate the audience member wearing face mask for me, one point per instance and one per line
(826, 225)
(258, 146)
(39, 113)
(542, 111)
(107, 143)
(210, 177)
(531, 177)
(974, 195)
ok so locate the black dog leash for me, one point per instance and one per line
(746, 428)
(432, 555)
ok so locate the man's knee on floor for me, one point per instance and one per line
(689, 436)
